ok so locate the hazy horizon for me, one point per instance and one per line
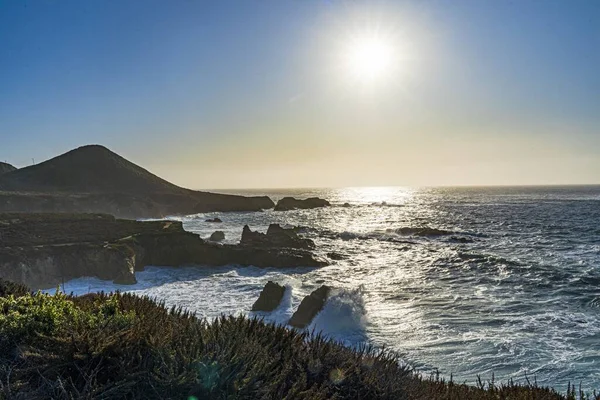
(292, 94)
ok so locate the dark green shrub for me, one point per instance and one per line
(122, 346)
(7, 288)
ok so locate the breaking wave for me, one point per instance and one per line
(343, 318)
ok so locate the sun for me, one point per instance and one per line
(369, 58)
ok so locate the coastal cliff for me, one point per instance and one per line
(43, 250)
(93, 179)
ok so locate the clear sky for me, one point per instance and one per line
(307, 93)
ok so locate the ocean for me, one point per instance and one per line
(499, 282)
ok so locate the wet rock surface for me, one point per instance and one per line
(276, 236)
(290, 203)
(43, 250)
(217, 236)
(270, 297)
(334, 255)
(310, 306)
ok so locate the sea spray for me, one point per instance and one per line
(429, 298)
(282, 313)
(344, 317)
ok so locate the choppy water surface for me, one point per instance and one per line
(471, 281)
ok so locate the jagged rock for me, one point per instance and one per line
(310, 306)
(269, 297)
(276, 236)
(335, 256)
(214, 220)
(43, 250)
(217, 236)
(252, 238)
(125, 278)
(290, 203)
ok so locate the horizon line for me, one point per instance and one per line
(458, 186)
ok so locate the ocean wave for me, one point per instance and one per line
(595, 302)
(487, 258)
(420, 231)
(282, 314)
(381, 236)
(344, 316)
(394, 235)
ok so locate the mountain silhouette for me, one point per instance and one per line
(4, 168)
(94, 179)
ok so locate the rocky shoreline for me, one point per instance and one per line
(44, 250)
(93, 179)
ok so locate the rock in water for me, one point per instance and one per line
(269, 298)
(251, 238)
(281, 237)
(334, 255)
(214, 220)
(217, 236)
(290, 203)
(276, 236)
(43, 250)
(125, 278)
(310, 306)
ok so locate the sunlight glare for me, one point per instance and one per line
(370, 58)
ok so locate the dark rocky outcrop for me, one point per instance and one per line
(217, 236)
(334, 255)
(422, 231)
(43, 250)
(94, 179)
(217, 220)
(269, 297)
(310, 306)
(276, 236)
(290, 203)
(4, 168)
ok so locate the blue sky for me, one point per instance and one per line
(252, 93)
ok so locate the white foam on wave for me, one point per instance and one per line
(343, 318)
(282, 314)
(208, 291)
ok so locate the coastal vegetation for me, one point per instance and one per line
(101, 346)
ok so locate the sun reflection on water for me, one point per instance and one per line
(379, 194)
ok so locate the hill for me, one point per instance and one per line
(87, 169)
(4, 168)
(94, 179)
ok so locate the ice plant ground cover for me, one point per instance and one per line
(126, 346)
